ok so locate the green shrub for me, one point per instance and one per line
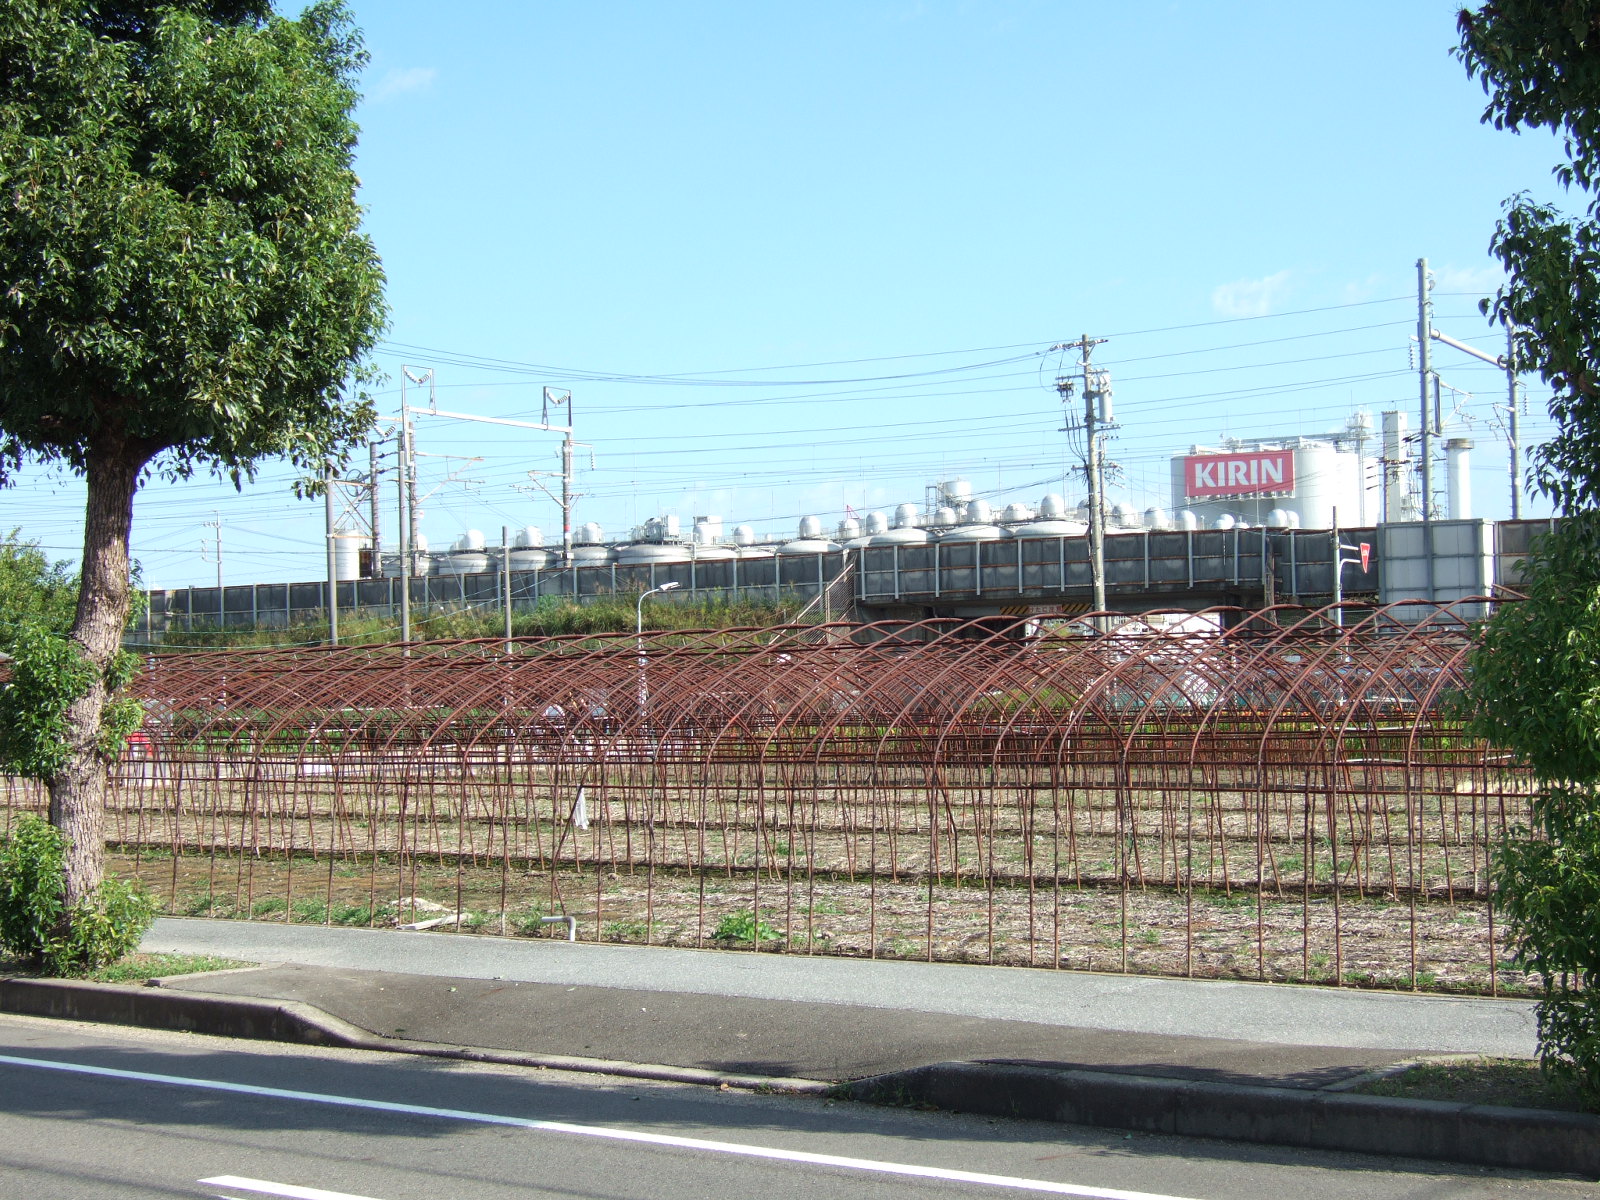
(743, 926)
(35, 922)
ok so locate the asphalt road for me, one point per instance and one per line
(89, 1112)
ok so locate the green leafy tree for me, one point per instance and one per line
(34, 591)
(1535, 683)
(184, 287)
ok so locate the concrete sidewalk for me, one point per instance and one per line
(1256, 1017)
(1251, 1061)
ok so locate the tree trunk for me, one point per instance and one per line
(78, 790)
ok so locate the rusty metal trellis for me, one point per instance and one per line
(1247, 794)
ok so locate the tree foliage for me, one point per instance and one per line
(33, 590)
(180, 242)
(1535, 683)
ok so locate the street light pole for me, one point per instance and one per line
(638, 633)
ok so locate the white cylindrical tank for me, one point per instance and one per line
(1156, 517)
(1225, 521)
(810, 528)
(589, 534)
(944, 516)
(707, 530)
(957, 492)
(876, 523)
(849, 529)
(906, 516)
(1278, 518)
(1187, 520)
(1013, 513)
(1124, 516)
(463, 558)
(1458, 473)
(592, 555)
(978, 513)
(527, 549)
(346, 554)
(744, 535)
(1052, 507)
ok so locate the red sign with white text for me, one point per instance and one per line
(1255, 473)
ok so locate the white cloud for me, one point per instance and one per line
(1250, 297)
(397, 81)
(1369, 288)
(1476, 281)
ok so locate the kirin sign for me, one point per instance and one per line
(1257, 473)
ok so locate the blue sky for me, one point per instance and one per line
(852, 231)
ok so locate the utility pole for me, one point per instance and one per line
(505, 581)
(1514, 427)
(566, 498)
(333, 556)
(222, 609)
(374, 506)
(1425, 361)
(403, 453)
(1096, 417)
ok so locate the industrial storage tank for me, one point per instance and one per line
(421, 562)
(906, 516)
(641, 553)
(1050, 528)
(1156, 518)
(810, 540)
(466, 555)
(527, 550)
(903, 535)
(347, 547)
(1311, 475)
(1052, 507)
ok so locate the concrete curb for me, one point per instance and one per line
(305, 1024)
(1531, 1139)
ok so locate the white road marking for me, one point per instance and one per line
(599, 1131)
(267, 1187)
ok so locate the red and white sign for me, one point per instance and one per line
(1256, 473)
